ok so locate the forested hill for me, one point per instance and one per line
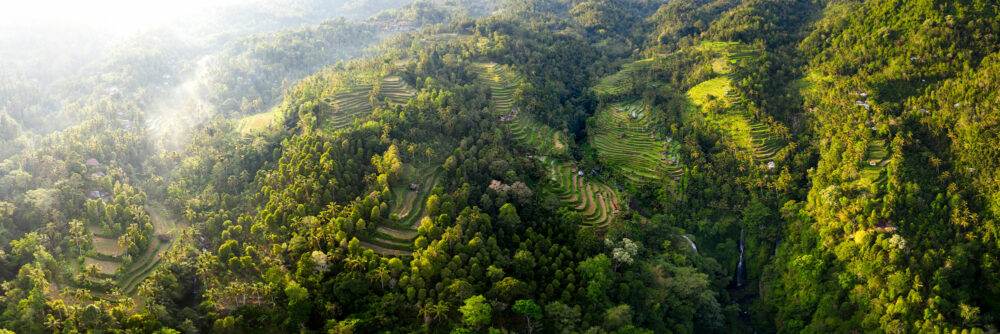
(528, 166)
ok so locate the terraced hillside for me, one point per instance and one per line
(726, 109)
(107, 253)
(623, 140)
(541, 137)
(502, 81)
(396, 238)
(396, 90)
(596, 202)
(348, 105)
(622, 82)
(875, 162)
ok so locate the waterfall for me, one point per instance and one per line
(690, 242)
(740, 270)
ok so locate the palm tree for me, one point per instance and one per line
(440, 311)
(380, 274)
(426, 311)
(353, 263)
(53, 324)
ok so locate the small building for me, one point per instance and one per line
(677, 178)
(873, 163)
(770, 165)
(163, 237)
(94, 194)
(97, 175)
(579, 173)
(414, 186)
(92, 162)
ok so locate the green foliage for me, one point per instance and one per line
(476, 312)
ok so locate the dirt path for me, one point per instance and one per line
(141, 267)
(383, 250)
(398, 234)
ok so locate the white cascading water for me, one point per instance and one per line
(690, 242)
(740, 271)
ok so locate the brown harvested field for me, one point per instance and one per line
(107, 246)
(107, 267)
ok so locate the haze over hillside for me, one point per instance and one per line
(476, 166)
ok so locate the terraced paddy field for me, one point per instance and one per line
(106, 246)
(502, 81)
(396, 90)
(108, 252)
(596, 202)
(346, 106)
(755, 138)
(107, 267)
(409, 205)
(623, 140)
(541, 137)
(622, 82)
(877, 159)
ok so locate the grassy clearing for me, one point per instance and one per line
(596, 202)
(257, 123)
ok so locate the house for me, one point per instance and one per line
(770, 165)
(579, 173)
(414, 186)
(97, 175)
(863, 104)
(94, 194)
(873, 163)
(92, 162)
